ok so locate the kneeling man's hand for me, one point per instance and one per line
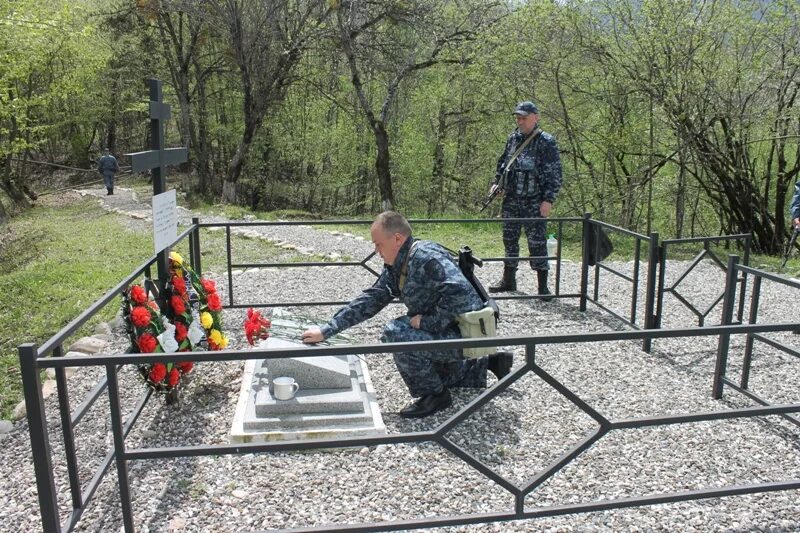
(416, 321)
(313, 336)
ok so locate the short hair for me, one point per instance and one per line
(392, 222)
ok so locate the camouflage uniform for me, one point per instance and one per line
(794, 207)
(436, 289)
(534, 177)
(108, 166)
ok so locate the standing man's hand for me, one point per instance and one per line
(494, 188)
(313, 336)
(795, 223)
(545, 208)
(416, 321)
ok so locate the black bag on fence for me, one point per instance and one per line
(600, 246)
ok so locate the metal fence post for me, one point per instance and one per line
(119, 448)
(40, 442)
(662, 275)
(748, 346)
(650, 295)
(587, 217)
(727, 316)
(746, 262)
(194, 246)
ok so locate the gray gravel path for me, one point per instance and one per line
(517, 434)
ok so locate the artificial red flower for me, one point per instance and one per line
(256, 326)
(154, 306)
(209, 286)
(214, 303)
(147, 343)
(177, 305)
(158, 372)
(140, 316)
(174, 377)
(185, 366)
(179, 284)
(180, 331)
(138, 294)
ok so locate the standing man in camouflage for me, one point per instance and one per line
(108, 166)
(427, 279)
(529, 178)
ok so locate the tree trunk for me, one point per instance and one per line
(382, 166)
(436, 186)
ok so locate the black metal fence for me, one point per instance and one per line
(34, 359)
(733, 280)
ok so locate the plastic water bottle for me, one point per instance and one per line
(552, 247)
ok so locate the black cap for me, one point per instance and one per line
(526, 108)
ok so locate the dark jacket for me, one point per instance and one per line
(536, 172)
(434, 288)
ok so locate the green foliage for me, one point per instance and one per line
(49, 73)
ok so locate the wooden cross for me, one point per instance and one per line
(156, 160)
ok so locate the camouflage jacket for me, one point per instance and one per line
(794, 207)
(434, 288)
(536, 172)
(107, 165)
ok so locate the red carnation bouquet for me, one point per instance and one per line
(191, 322)
(256, 326)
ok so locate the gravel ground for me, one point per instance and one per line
(517, 434)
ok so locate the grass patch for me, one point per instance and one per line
(55, 263)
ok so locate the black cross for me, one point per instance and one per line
(157, 158)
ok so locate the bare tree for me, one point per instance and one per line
(690, 57)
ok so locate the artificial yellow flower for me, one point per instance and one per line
(216, 337)
(206, 320)
(224, 343)
(176, 258)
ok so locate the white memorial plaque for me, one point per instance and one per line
(165, 219)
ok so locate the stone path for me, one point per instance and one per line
(330, 244)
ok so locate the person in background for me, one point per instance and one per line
(108, 166)
(794, 207)
(429, 282)
(529, 178)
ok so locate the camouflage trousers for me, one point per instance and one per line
(429, 372)
(521, 207)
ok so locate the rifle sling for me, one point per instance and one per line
(519, 150)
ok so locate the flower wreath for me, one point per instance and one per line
(191, 322)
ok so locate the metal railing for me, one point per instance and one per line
(734, 269)
(122, 455)
(34, 359)
(231, 265)
(705, 253)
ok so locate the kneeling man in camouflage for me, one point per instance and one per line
(428, 281)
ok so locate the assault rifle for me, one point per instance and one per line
(497, 190)
(467, 262)
(789, 247)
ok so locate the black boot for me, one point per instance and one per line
(541, 275)
(508, 283)
(427, 405)
(500, 364)
(110, 191)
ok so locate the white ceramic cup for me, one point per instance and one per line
(284, 388)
